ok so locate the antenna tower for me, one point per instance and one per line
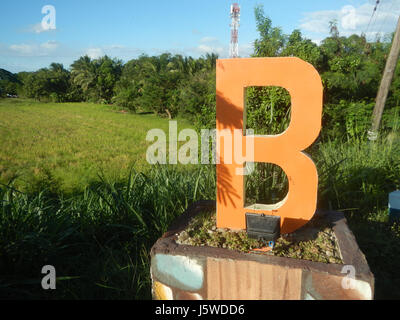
(235, 15)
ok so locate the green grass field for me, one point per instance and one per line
(65, 146)
(91, 206)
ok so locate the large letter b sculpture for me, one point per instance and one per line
(285, 150)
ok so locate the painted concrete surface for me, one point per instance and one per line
(162, 292)
(228, 279)
(185, 273)
(323, 286)
(243, 280)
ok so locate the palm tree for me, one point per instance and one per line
(211, 60)
(83, 72)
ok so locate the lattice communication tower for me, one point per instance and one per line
(235, 16)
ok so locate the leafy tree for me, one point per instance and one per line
(161, 83)
(272, 40)
(9, 83)
(83, 74)
(108, 73)
(196, 99)
(96, 78)
(48, 83)
(172, 85)
(302, 48)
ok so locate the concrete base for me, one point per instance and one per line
(181, 272)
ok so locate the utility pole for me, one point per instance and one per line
(387, 78)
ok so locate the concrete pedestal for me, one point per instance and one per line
(181, 272)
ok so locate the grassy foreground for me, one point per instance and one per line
(97, 229)
(99, 240)
(76, 192)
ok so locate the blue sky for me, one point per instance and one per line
(128, 28)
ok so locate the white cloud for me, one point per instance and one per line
(36, 28)
(208, 44)
(95, 53)
(208, 39)
(35, 55)
(32, 50)
(50, 45)
(317, 41)
(214, 45)
(116, 46)
(318, 21)
(353, 20)
(23, 49)
(114, 50)
(203, 49)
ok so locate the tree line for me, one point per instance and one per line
(165, 84)
(171, 85)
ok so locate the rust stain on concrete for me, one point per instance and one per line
(243, 280)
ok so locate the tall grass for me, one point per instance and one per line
(99, 240)
(267, 184)
(356, 175)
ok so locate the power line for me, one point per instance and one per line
(377, 12)
(374, 23)
(372, 15)
(386, 17)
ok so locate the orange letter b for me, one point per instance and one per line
(285, 150)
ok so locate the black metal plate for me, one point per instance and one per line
(263, 226)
